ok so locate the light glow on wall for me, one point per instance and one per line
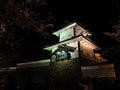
(87, 45)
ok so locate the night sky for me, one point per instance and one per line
(93, 15)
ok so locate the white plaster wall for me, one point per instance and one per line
(74, 54)
(69, 33)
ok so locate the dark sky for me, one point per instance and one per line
(95, 15)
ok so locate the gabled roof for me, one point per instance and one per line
(71, 26)
(49, 48)
(64, 29)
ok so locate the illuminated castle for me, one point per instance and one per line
(74, 42)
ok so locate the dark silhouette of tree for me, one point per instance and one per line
(24, 28)
(20, 17)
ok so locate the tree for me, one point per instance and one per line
(20, 17)
(24, 28)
